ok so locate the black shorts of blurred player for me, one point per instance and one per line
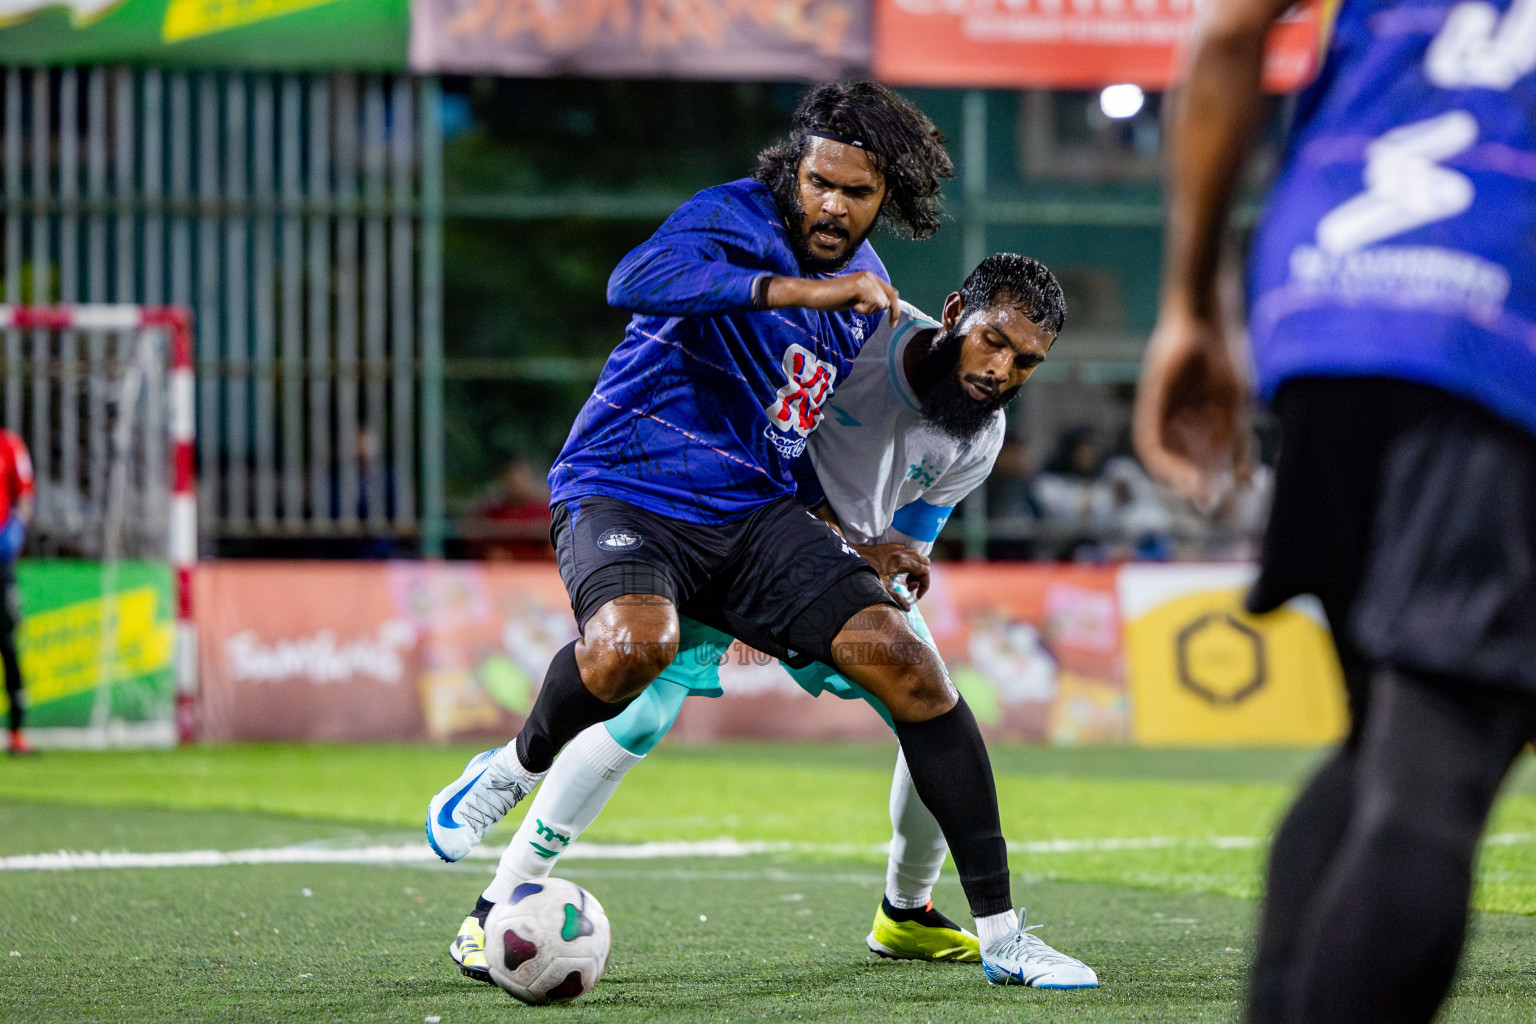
(1411, 514)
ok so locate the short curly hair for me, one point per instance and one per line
(1008, 279)
(905, 146)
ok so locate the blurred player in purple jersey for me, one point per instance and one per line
(674, 493)
(1392, 312)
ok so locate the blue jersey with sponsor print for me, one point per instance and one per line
(1400, 240)
(703, 408)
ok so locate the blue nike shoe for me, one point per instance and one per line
(460, 814)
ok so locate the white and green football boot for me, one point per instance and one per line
(922, 934)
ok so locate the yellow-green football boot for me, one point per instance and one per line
(468, 949)
(921, 934)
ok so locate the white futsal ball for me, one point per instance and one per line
(548, 943)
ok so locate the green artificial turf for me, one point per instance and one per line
(1168, 927)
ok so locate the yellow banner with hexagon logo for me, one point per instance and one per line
(1202, 671)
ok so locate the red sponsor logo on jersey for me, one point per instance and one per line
(798, 406)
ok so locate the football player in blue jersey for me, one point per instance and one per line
(1392, 315)
(674, 493)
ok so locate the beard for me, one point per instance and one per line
(947, 406)
(800, 242)
(788, 199)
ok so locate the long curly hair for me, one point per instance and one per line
(905, 147)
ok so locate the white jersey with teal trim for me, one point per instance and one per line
(888, 474)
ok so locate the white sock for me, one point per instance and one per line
(917, 844)
(577, 788)
(508, 761)
(994, 927)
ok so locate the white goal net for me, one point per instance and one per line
(102, 395)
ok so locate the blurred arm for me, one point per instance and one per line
(1191, 426)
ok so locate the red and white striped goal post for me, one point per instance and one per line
(176, 322)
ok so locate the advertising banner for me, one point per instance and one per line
(1043, 653)
(1205, 672)
(97, 645)
(278, 34)
(1039, 44)
(374, 651)
(414, 650)
(732, 40)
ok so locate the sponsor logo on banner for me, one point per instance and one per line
(321, 658)
(1204, 671)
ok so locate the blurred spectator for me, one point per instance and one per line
(15, 514)
(1010, 505)
(1075, 511)
(375, 483)
(1141, 523)
(512, 522)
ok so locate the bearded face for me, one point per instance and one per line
(959, 404)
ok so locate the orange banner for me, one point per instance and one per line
(436, 651)
(1064, 44)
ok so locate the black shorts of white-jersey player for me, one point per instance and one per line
(778, 579)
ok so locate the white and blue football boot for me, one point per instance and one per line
(1023, 959)
(491, 785)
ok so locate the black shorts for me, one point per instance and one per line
(1411, 513)
(779, 579)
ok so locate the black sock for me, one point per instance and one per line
(925, 915)
(482, 910)
(952, 775)
(564, 708)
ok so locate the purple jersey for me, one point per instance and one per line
(1399, 239)
(705, 405)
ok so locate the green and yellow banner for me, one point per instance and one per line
(97, 643)
(277, 34)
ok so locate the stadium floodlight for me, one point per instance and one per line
(105, 399)
(1119, 102)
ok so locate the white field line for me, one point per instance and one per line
(410, 853)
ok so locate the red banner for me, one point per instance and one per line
(1063, 44)
(435, 651)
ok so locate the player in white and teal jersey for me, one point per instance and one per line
(915, 428)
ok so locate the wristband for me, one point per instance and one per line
(760, 291)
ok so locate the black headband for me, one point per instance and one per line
(847, 140)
